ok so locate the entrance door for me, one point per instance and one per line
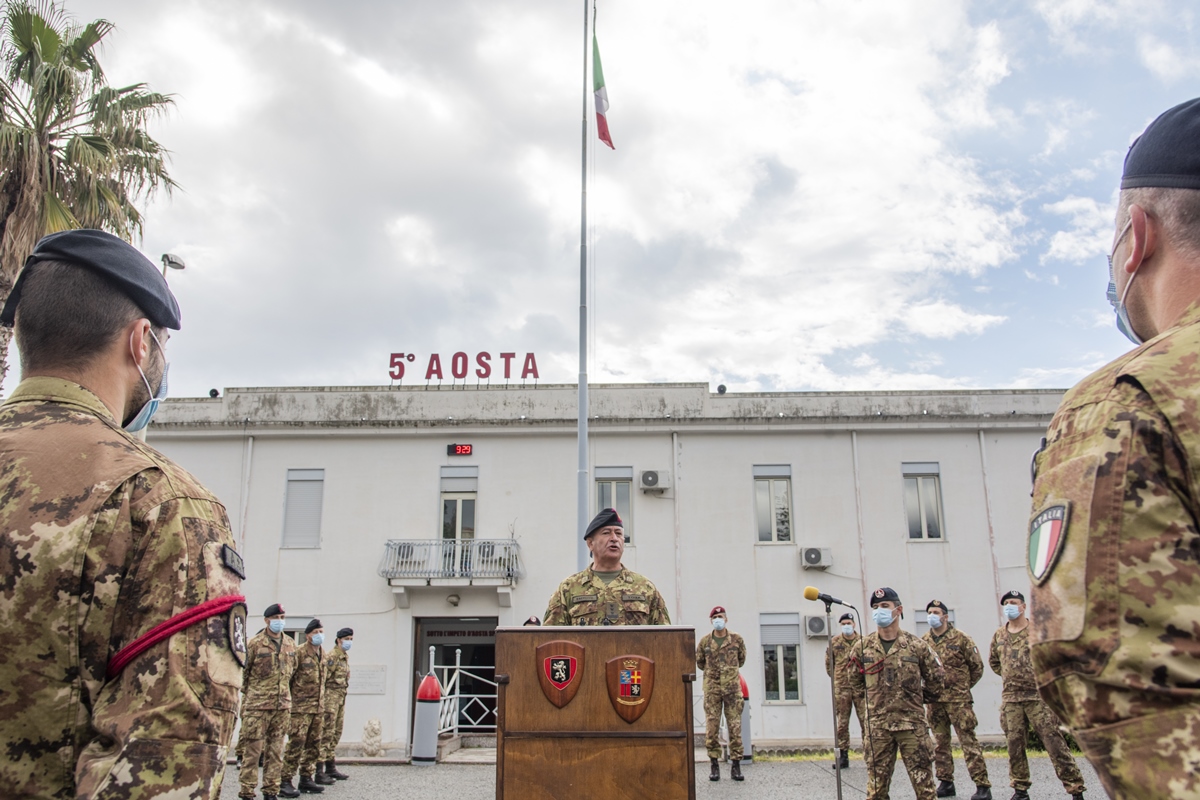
(472, 641)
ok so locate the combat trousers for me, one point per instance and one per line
(1015, 719)
(730, 701)
(845, 702)
(304, 744)
(916, 749)
(962, 717)
(331, 728)
(263, 732)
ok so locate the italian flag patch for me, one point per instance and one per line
(1047, 533)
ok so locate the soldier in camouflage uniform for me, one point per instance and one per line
(337, 684)
(963, 667)
(1020, 706)
(1113, 538)
(606, 593)
(120, 610)
(720, 655)
(266, 704)
(897, 672)
(837, 657)
(308, 714)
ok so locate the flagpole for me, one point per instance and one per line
(582, 500)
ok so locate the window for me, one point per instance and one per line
(302, 507)
(772, 502)
(780, 634)
(923, 500)
(458, 515)
(614, 487)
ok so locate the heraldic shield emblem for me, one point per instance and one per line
(630, 684)
(1047, 533)
(560, 667)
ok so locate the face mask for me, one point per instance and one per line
(935, 620)
(882, 617)
(847, 630)
(276, 625)
(318, 639)
(718, 624)
(143, 417)
(346, 646)
(1012, 611)
(1118, 303)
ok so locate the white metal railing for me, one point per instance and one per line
(452, 558)
(473, 710)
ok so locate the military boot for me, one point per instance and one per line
(332, 770)
(946, 789)
(845, 759)
(1020, 794)
(287, 790)
(1077, 796)
(982, 793)
(714, 774)
(308, 785)
(322, 777)
(735, 770)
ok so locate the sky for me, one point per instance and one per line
(836, 195)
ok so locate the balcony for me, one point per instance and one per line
(415, 563)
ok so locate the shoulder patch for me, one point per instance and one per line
(233, 562)
(237, 633)
(1047, 532)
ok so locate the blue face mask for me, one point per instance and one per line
(1118, 303)
(1012, 611)
(143, 417)
(346, 645)
(847, 630)
(318, 639)
(882, 616)
(718, 624)
(935, 620)
(276, 625)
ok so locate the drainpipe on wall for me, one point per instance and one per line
(247, 462)
(858, 516)
(678, 459)
(987, 504)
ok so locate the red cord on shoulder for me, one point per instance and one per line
(165, 630)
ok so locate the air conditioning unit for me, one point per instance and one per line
(816, 557)
(654, 480)
(815, 627)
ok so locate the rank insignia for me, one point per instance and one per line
(630, 684)
(561, 665)
(237, 633)
(1047, 533)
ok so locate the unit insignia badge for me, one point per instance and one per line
(237, 633)
(1047, 533)
(560, 670)
(630, 684)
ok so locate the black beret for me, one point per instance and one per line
(312, 625)
(886, 593)
(846, 616)
(532, 621)
(606, 518)
(119, 262)
(937, 604)
(273, 610)
(1167, 154)
(1012, 594)
(344, 632)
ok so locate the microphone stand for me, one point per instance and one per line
(837, 761)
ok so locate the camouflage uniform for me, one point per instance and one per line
(337, 683)
(896, 684)
(963, 667)
(720, 658)
(101, 539)
(584, 599)
(1021, 707)
(1114, 619)
(266, 708)
(308, 713)
(837, 659)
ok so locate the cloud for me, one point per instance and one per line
(1090, 233)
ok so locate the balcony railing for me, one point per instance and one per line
(471, 559)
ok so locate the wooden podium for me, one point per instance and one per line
(595, 712)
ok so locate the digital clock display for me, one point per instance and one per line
(459, 449)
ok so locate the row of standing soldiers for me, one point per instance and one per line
(904, 687)
(298, 691)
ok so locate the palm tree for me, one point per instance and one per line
(74, 151)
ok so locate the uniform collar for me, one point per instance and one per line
(622, 576)
(44, 388)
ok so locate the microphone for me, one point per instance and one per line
(812, 593)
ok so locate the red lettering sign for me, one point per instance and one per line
(434, 370)
(508, 357)
(529, 368)
(460, 365)
(485, 366)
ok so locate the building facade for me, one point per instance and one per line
(424, 517)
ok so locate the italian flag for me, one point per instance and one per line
(601, 96)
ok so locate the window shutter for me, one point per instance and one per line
(302, 508)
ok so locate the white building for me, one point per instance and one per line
(349, 505)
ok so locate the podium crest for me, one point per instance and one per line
(630, 685)
(560, 665)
